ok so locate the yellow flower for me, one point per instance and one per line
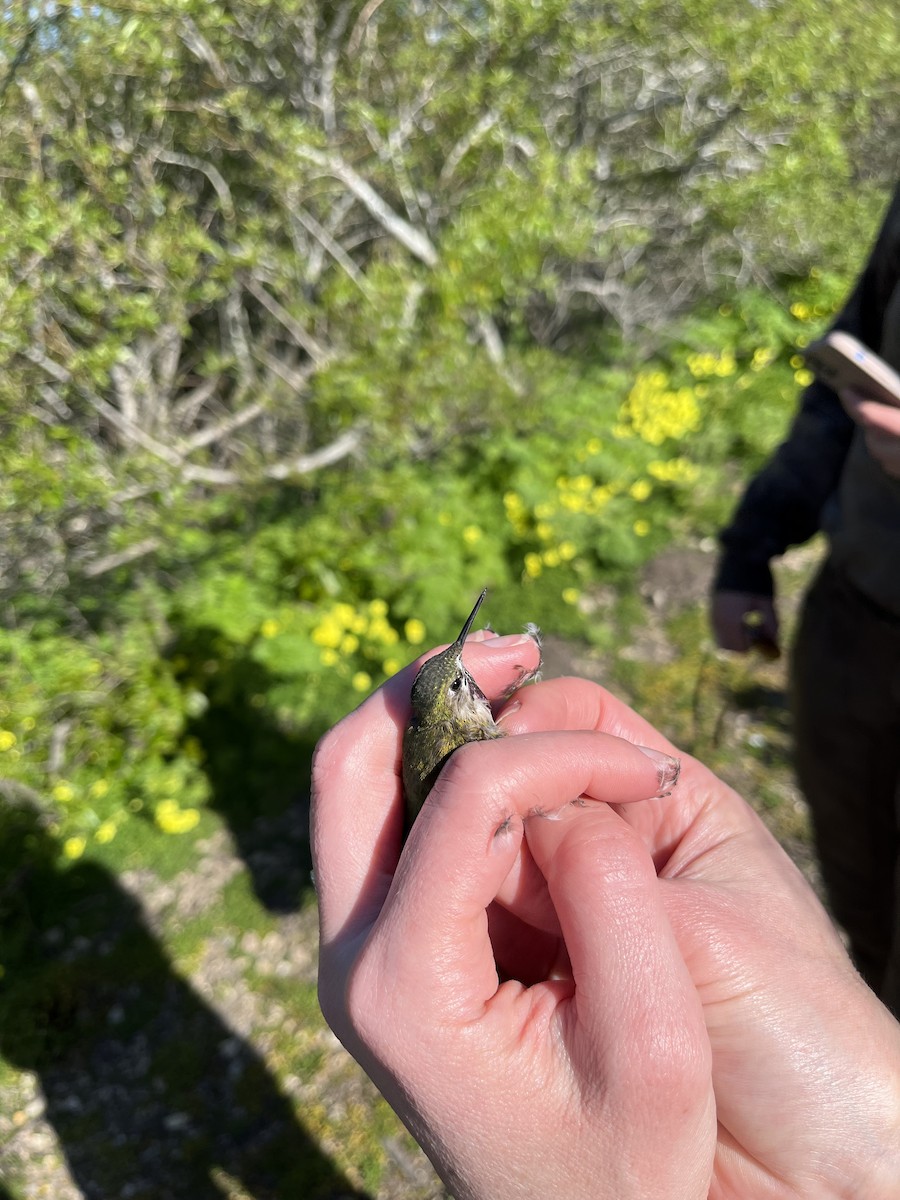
(329, 658)
(361, 681)
(105, 832)
(270, 628)
(803, 378)
(63, 793)
(173, 819)
(349, 644)
(657, 412)
(415, 631)
(642, 527)
(471, 534)
(640, 490)
(7, 739)
(391, 666)
(550, 557)
(544, 530)
(381, 631)
(515, 511)
(573, 501)
(344, 613)
(73, 847)
(801, 311)
(378, 608)
(673, 470)
(533, 565)
(570, 595)
(594, 446)
(328, 633)
(98, 789)
(567, 551)
(701, 365)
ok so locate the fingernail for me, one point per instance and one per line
(509, 639)
(506, 832)
(482, 635)
(668, 768)
(509, 710)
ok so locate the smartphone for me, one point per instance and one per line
(841, 361)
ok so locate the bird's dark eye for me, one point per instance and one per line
(456, 684)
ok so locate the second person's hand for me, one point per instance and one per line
(806, 1060)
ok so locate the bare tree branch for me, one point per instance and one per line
(215, 433)
(212, 173)
(348, 443)
(201, 49)
(483, 125)
(327, 242)
(109, 562)
(415, 241)
(304, 340)
(358, 31)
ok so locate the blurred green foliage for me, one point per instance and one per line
(315, 319)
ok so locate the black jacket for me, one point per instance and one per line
(813, 481)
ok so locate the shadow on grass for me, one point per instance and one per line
(151, 1095)
(258, 770)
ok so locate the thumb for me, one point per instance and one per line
(634, 998)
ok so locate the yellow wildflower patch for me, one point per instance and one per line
(657, 412)
(170, 817)
(415, 631)
(673, 470)
(640, 489)
(533, 565)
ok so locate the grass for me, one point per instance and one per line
(199, 1006)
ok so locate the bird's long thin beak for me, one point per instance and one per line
(464, 632)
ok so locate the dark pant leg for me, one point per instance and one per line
(846, 694)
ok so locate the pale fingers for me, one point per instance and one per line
(356, 809)
(573, 703)
(466, 840)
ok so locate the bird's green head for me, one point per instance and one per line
(444, 691)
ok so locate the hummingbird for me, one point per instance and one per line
(448, 710)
